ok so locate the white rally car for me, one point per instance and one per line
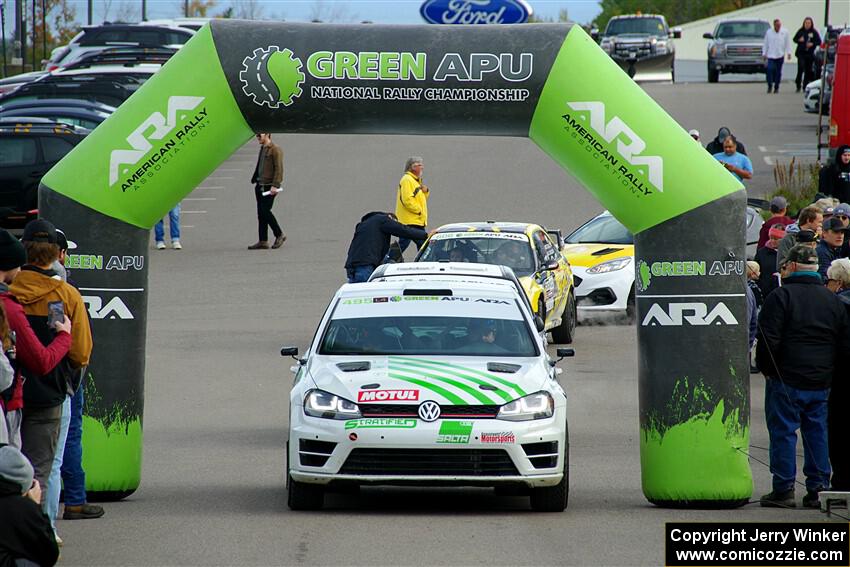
(412, 383)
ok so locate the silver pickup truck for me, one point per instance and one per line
(735, 47)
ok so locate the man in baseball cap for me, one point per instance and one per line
(778, 216)
(831, 241)
(803, 328)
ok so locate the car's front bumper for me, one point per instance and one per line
(737, 65)
(647, 68)
(326, 451)
(603, 292)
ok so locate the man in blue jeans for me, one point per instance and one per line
(803, 327)
(777, 46)
(174, 229)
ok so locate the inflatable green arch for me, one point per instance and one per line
(550, 83)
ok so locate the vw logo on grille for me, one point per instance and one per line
(429, 411)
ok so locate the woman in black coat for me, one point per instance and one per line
(806, 39)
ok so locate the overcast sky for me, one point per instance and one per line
(378, 11)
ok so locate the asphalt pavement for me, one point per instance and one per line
(216, 393)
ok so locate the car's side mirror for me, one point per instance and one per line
(677, 33)
(708, 35)
(551, 265)
(293, 352)
(539, 324)
(562, 353)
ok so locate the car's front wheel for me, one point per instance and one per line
(565, 332)
(304, 496)
(713, 74)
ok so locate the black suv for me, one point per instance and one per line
(29, 147)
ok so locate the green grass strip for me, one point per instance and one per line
(502, 381)
(501, 393)
(428, 386)
(478, 395)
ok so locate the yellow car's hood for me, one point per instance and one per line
(589, 254)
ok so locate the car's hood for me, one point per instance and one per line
(411, 380)
(590, 254)
(632, 37)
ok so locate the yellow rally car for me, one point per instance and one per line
(532, 253)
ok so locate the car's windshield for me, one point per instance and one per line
(620, 26)
(500, 248)
(434, 325)
(741, 29)
(604, 230)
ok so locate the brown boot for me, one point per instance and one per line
(279, 240)
(260, 245)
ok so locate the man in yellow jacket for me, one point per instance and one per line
(412, 202)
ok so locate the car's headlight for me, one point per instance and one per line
(720, 48)
(609, 266)
(661, 47)
(607, 45)
(319, 403)
(533, 406)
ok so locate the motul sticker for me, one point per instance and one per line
(501, 437)
(388, 396)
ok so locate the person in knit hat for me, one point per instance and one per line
(29, 351)
(25, 532)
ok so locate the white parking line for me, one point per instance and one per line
(193, 212)
(112, 289)
(210, 187)
(199, 199)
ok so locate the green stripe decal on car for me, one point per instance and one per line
(160, 144)
(415, 365)
(511, 385)
(459, 385)
(611, 136)
(428, 386)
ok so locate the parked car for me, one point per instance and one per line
(641, 44)
(76, 116)
(9, 84)
(29, 147)
(193, 24)
(126, 56)
(735, 47)
(98, 38)
(811, 97)
(110, 85)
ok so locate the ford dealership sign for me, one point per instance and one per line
(475, 11)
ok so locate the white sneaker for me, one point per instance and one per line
(176, 245)
(160, 245)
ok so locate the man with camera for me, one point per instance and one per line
(22, 346)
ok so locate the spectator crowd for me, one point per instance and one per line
(47, 343)
(800, 280)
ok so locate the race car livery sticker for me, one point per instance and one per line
(457, 384)
(455, 432)
(381, 423)
(388, 396)
(480, 234)
(503, 437)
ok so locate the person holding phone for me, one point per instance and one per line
(36, 287)
(29, 352)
